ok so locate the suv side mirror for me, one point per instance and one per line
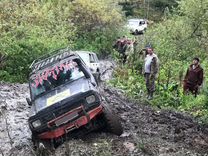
(94, 83)
(28, 101)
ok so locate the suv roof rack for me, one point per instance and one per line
(49, 58)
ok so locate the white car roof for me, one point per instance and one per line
(136, 20)
(87, 52)
(85, 55)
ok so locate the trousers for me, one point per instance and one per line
(150, 82)
(188, 87)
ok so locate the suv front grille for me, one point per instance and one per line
(57, 112)
(65, 118)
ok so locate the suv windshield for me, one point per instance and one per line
(54, 76)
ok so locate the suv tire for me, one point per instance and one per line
(113, 124)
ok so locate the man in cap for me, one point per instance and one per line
(193, 78)
(151, 68)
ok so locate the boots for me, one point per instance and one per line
(150, 96)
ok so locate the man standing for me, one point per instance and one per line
(121, 46)
(151, 68)
(193, 78)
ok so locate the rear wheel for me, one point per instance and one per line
(113, 124)
(136, 32)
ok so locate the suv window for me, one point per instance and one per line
(141, 22)
(54, 76)
(92, 59)
(85, 57)
(96, 58)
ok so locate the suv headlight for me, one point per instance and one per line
(90, 99)
(36, 123)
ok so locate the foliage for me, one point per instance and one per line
(162, 4)
(150, 9)
(32, 28)
(98, 24)
(89, 15)
(129, 81)
(181, 36)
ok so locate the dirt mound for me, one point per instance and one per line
(159, 132)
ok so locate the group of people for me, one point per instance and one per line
(192, 81)
(125, 47)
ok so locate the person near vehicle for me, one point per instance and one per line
(117, 44)
(129, 50)
(124, 47)
(151, 68)
(193, 78)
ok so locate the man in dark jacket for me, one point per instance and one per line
(193, 78)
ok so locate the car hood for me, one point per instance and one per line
(62, 92)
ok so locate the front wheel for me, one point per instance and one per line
(113, 124)
(43, 147)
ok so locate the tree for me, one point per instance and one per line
(29, 29)
(90, 15)
(162, 4)
(98, 24)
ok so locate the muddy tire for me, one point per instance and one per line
(136, 32)
(112, 122)
(42, 147)
(35, 141)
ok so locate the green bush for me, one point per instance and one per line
(176, 41)
(31, 29)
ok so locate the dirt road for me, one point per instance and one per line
(147, 131)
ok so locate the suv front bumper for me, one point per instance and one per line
(64, 129)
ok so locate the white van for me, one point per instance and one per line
(92, 62)
(137, 26)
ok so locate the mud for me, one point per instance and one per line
(147, 130)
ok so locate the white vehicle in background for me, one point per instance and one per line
(92, 62)
(137, 26)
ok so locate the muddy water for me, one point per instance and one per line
(147, 131)
(14, 131)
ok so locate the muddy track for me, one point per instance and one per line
(147, 131)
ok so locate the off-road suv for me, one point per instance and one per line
(65, 99)
(137, 26)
